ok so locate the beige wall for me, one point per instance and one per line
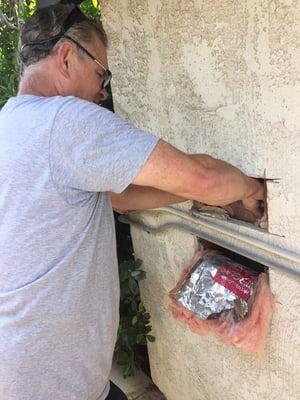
(220, 77)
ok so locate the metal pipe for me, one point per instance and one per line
(215, 231)
(230, 232)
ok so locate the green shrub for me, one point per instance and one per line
(8, 43)
(134, 325)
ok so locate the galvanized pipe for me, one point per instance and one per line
(214, 230)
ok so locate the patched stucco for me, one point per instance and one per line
(218, 77)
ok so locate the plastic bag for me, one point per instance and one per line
(217, 294)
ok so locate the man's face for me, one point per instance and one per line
(86, 78)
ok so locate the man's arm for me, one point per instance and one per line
(252, 202)
(141, 198)
(198, 177)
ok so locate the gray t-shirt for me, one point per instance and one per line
(59, 287)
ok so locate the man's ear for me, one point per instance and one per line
(64, 56)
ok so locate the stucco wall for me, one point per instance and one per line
(186, 366)
(220, 77)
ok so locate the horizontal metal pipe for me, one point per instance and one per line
(214, 231)
(230, 232)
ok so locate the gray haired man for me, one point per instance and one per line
(65, 163)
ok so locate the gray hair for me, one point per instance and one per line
(47, 23)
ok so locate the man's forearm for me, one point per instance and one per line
(228, 177)
(196, 177)
(142, 198)
(227, 180)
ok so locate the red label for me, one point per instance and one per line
(235, 279)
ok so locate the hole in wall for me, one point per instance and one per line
(247, 262)
(236, 211)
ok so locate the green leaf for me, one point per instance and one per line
(95, 3)
(138, 275)
(133, 286)
(138, 263)
(134, 320)
(150, 338)
(146, 315)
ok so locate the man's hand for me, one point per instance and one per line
(255, 202)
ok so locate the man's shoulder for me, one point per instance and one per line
(48, 101)
(74, 107)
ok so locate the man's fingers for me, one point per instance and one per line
(257, 189)
(255, 202)
(255, 206)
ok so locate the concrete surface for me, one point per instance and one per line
(220, 77)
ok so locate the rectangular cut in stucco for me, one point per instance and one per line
(217, 77)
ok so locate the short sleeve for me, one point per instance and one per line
(92, 149)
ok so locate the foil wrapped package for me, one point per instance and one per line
(214, 294)
(217, 285)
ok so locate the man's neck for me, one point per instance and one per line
(35, 83)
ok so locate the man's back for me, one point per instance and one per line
(59, 282)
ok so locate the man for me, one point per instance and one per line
(64, 163)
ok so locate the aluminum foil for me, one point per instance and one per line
(216, 285)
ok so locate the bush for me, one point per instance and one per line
(134, 325)
(9, 30)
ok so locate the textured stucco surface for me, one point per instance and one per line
(220, 77)
(186, 366)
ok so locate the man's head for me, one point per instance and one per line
(65, 53)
